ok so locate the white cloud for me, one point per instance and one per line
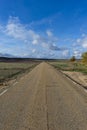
(49, 33)
(65, 53)
(78, 40)
(33, 35)
(77, 53)
(14, 29)
(19, 31)
(34, 50)
(45, 45)
(84, 42)
(28, 39)
(35, 42)
(81, 42)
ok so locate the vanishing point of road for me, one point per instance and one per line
(43, 99)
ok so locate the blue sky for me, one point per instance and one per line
(43, 28)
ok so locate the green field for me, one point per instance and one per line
(70, 66)
(13, 70)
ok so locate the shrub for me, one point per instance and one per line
(72, 59)
(84, 57)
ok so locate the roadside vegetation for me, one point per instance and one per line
(72, 59)
(13, 70)
(84, 58)
(68, 66)
(71, 65)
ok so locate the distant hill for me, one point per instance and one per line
(13, 59)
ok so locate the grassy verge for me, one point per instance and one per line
(70, 66)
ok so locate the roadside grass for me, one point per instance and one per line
(13, 70)
(70, 66)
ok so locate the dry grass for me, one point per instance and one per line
(70, 66)
(13, 70)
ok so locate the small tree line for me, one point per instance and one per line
(83, 58)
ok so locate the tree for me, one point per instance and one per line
(73, 58)
(84, 57)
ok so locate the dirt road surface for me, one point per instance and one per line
(44, 99)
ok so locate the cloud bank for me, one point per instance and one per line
(20, 40)
(29, 42)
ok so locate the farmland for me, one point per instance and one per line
(11, 70)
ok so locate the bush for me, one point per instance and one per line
(84, 57)
(72, 59)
